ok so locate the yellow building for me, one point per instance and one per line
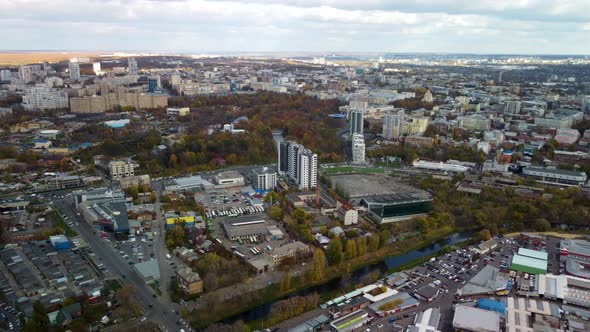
(416, 125)
(185, 220)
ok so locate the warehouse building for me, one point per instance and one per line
(59, 242)
(350, 322)
(475, 320)
(397, 207)
(575, 254)
(245, 227)
(568, 289)
(426, 321)
(555, 176)
(529, 261)
(148, 270)
(229, 179)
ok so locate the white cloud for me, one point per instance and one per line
(298, 25)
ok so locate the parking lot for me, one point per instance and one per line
(136, 250)
(9, 317)
(448, 273)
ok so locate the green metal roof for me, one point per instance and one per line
(532, 253)
(528, 264)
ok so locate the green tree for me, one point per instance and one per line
(318, 263)
(334, 251)
(275, 212)
(285, 283)
(361, 246)
(351, 249)
(373, 242)
(299, 215)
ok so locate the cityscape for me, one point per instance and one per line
(290, 182)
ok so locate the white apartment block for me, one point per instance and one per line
(41, 97)
(358, 149)
(74, 69)
(121, 168)
(264, 178)
(300, 164)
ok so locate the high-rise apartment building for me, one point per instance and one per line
(298, 163)
(132, 66)
(5, 75)
(393, 125)
(358, 149)
(264, 178)
(26, 73)
(96, 68)
(74, 69)
(586, 104)
(175, 80)
(356, 121)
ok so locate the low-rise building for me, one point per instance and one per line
(121, 168)
(475, 319)
(292, 249)
(555, 176)
(229, 178)
(178, 111)
(190, 282)
(148, 270)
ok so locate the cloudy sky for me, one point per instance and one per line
(450, 26)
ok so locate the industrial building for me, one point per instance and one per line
(350, 322)
(426, 321)
(524, 315)
(397, 207)
(148, 270)
(59, 242)
(569, 289)
(187, 184)
(229, 179)
(555, 176)
(475, 320)
(245, 227)
(487, 281)
(529, 261)
(575, 254)
(440, 166)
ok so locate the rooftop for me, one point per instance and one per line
(537, 264)
(148, 269)
(554, 171)
(532, 253)
(474, 319)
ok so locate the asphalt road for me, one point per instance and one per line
(161, 310)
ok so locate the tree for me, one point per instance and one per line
(334, 251)
(485, 234)
(285, 284)
(361, 246)
(316, 270)
(351, 249)
(373, 242)
(172, 162)
(299, 215)
(275, 212)
(190, 158)
(39, 320)
(542, 225)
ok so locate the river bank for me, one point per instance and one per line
(335, 277)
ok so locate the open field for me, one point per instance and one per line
(22, 58)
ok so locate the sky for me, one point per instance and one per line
(324, 26)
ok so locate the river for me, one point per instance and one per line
(381, 267)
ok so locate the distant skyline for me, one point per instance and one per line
(251, 26)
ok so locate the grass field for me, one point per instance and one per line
(353, 169)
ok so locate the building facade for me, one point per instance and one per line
(264, 178)
(393, 125)
(356, 121)
(121, 168)
(298, 163)
(74, 70)
(358, 149)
